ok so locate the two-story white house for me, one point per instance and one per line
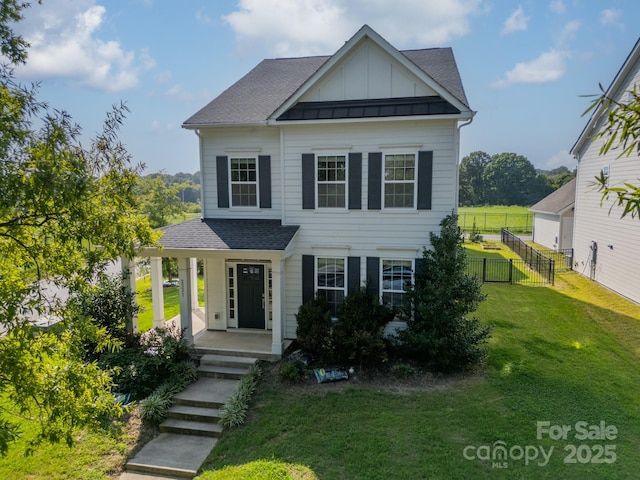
(319, 175)
(606, 245)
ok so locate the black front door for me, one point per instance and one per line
(251, 299)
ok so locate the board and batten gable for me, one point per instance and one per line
(232, 142)
(367, 72)
(363, 232)
(617, 260)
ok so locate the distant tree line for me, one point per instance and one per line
(506, 179)
(162, 196)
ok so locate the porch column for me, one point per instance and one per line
(184, 274)
(194, 282)
(128, 266)
(157, 295)
(277, 326)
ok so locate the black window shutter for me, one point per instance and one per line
(222, 173)
(355, 181)
(264, 167)
(308, 273)
(375, 181)
(425, 180)
(353, 274)
(308, 181)
(373, 276)
(418, 267)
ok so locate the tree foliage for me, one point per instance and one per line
(621, 131)
(65, 212)
(472, 186)
(159, 199)
(439, 331)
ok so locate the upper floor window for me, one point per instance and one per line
(331, 179)
(244, 182)
(399, 180)
(396, 276)
(330, 281)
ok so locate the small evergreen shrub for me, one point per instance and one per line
(403, 370)
(314, 329)
(154, 408)
(234, 412)
(293, 371)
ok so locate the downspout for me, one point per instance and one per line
(283, 218)
(202, 212)
(457, 190)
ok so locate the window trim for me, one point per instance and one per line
(383, 290)
(345, 282)
(239, 156)
(384, 181)
(344, 182)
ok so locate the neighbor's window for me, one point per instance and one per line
(399, 180)
(332, 181)
(396, 276)
(330, 281)
(244, 182)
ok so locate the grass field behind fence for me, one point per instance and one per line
(492, 219)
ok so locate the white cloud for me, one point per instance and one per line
(548, 67)
(567, 32)
(516, 22)
(611, 17)
(178, 92)
(203, 18)
(313, 27)
(65, 44)
(560, 159)
(557, 6)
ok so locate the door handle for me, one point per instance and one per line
(263, 301)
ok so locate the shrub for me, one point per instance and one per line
(438, 331)
(293, 371)
(234, 412)
(154, 408)
(358, 330)
(314, 328)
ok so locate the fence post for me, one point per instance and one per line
(484, 269)
(551, 271)
(511, 270)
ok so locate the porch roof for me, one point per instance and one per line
(228, 234)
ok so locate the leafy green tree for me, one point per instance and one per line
(159, 199)
(59, 202)
(510, 179)
(621, 131)
(439, 331)
(472, 185)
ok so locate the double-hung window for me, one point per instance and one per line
(244, 182)
(330, 281)
(331, 178)
(396, 276)
(399, 180)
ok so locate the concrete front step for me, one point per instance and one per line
(228, 361)
(187, 427)
(216, 371)
(206, 392)
(174, 456)
(195, 414)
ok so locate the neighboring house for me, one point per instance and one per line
(319, 175)
(606, 246)
(553, 218)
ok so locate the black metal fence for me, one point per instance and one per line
(503, 270)
(563, 258)
(493, 223)
(542, 264)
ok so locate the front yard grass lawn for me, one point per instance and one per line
(562, 354)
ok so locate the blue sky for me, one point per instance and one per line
(524, 64)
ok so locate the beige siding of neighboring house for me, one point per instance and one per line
(363, 233)
(241, 141)
(617, 264)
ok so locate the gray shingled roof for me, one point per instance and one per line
(558, 201)
(253, 98)
(228, 234)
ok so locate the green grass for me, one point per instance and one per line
(171, 301)
(96, 455)
(564, 354)
(492, 218)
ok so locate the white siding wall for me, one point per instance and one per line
(618, 239)
(230, 142)
(546, 229)
(362, 233)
